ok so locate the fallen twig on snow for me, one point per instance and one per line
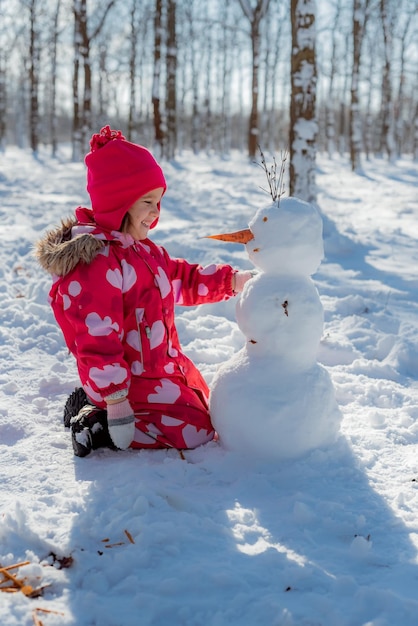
(36, 619)
(14, 584)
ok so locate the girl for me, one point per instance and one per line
(113, 296)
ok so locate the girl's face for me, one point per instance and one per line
(143, 213)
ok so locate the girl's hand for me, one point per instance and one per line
(239, 280)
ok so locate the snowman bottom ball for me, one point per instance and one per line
(262, 409)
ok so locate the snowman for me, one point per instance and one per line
(273, 399)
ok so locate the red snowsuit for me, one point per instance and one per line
(117, 317)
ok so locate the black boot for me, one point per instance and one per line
(75, 401)
(89, 430)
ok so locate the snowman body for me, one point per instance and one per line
(272, 398)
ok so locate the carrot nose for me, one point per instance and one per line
(240, 236)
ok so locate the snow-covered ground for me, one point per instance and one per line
(327, 540)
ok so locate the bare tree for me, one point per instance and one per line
(334, 61)
(387, 139)
(34, 68)
(227, 39)
(342, 125)
(193, 69)
(254, 16)
(3, 103)
(275, 48)
(6, 45)
(156, 83)
(369, 126)
(303, 124)
(207, 113)
(82, 101)
(54, 49)
(360, 8)
(133, 44)
(405, 31)
(170, 143)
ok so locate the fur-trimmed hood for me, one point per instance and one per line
(61, 249)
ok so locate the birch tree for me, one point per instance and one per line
(156, 83)
(170, 143)
(53, 54)
(406, 36)
(207, 115)
(34, 69)
(7, 44)
(3, 103)
(133, 43)
(254, 16)
(387, 133)
(82, 97)
(334, 67)
(369, 126)
(193, 66)
(303, 123)
(360, 8)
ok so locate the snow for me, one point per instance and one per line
(330, 538)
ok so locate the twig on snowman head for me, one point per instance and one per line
(274, 178)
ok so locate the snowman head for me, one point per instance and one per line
(287, 238)
(283, 238)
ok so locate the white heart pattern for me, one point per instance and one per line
(166, 393)
(163, 283)
(157, 334)
(100, 327)
(105, 376)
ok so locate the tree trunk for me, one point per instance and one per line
(387, 140)
(34, 61)
(82, 104)
(53, 113)
(225, 80)
(103, 95)
(171, 97)
(303, 124)
(156, 103)
(85, 55)
(359, 20)
(401, 99)
(77, 110)
(3, 103)
(255, 16)
(330, 101)
(207, 139)
(194, 70)
(399, 116)
(272, 129)
(132, 72)
(415, 132)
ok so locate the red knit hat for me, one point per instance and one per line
(118, 173)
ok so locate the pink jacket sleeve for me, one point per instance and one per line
(194, 284)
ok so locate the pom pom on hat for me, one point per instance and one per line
(101, 139)
(118, 173)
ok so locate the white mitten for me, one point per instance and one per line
(121, 423)
(240, 278)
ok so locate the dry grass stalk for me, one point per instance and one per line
(128, 534)
(36, 620)
(275, 178)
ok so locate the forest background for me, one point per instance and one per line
(289, 75)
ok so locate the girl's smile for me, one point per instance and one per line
(143, 213)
